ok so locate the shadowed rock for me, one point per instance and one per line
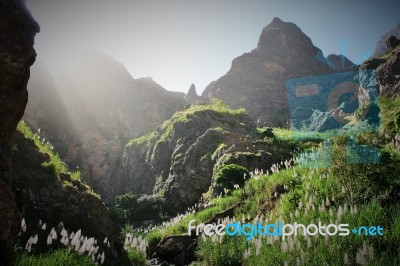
(17, 31)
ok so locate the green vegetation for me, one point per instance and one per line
(55, 164)
(136, 258)
(230, 175)
(341, 190)
(129, 208)
(390, 114)
(217, 106)
(60, 257)
(141, 139)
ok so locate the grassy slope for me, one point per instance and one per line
(58, 167)
(340, 193)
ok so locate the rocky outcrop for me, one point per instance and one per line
(179, 159)
(17, 31)
(392, 42)
(191, 96)
(257, 80)
(97, 107)
(381, 46)
(43, 196)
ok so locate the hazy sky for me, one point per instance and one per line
(182, 42)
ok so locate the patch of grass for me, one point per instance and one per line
(390, 114)
(55, 164)
(141, 139)
(59, 257)
(136, 258)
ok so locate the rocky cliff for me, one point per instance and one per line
(381, 44)
(178, 160)
(17, 31)
(387, 69)
(97, 107)
(256, 80)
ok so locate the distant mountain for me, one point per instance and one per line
(340, 63)
(256, 80)
(381, 44)
(93, 108)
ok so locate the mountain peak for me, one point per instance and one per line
(281, 33)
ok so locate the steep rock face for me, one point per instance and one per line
(178, 160)
(381, 46)
(43, 196)
(256, 80)
(105, 107)
(387, 71)
(17, 31)
(47, 112)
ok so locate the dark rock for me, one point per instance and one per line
(179, 250)
(392, 42)
(387, 73)
(17, 31)
(257, 80)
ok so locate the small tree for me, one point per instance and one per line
(230, 175)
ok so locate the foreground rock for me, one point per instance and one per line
(179, 249)
(17, 31)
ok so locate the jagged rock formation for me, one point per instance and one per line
(17, 31)
(178, 160)
(387, 69)
(256, 80)
(381, 46)
(392, 42)
(191, 96)
(104, 108)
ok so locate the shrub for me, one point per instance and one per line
(131, 208)
(230, 175)
(57, 257)
(136, 258)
